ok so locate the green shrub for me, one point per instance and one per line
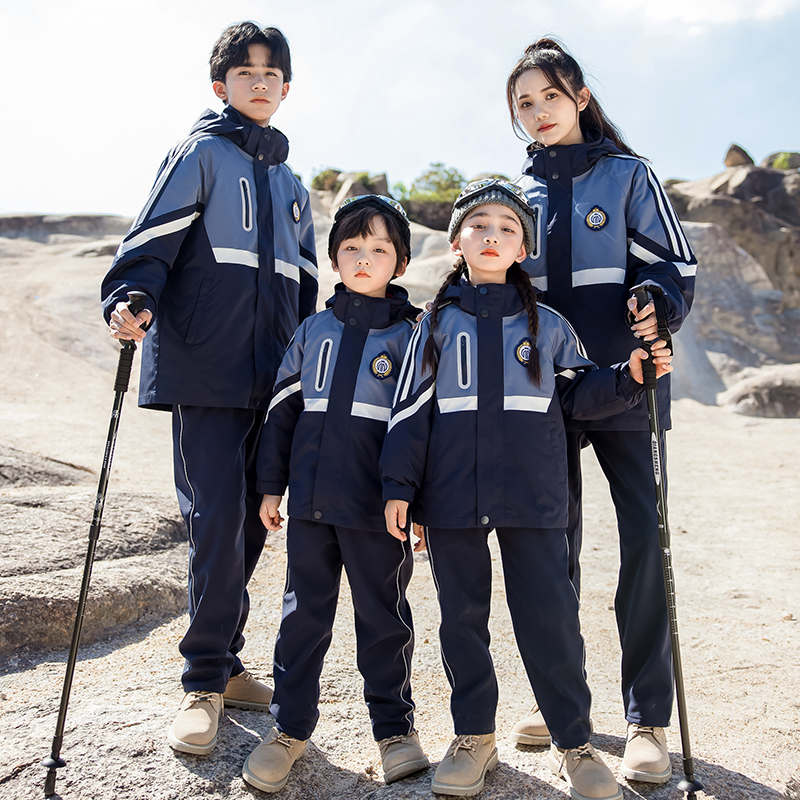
(327, 180)
(782, 161)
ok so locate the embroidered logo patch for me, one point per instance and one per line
(596, 218)
(524, 352)
(382, 366)
(296, 211)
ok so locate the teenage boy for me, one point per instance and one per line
(322, 439)
(224, 251)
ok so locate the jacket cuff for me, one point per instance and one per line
(626, 385)
(271, 487)
(396, 491)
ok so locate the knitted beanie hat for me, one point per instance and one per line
(499, 192)
(378, 202)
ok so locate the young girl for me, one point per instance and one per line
(476, 441)
(605, 227)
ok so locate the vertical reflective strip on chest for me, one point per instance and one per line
(464, 360)
(323, 362)
(247, 204)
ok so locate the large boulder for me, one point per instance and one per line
(766, 392)
(760, 208)
(783, 160)
(737, 157)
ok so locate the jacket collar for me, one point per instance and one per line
(468, 297)
(576, 159)
(253, 139)
(381, 312)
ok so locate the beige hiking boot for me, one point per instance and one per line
(585, 773)
(401, 756)
(267, 767)
(646, 757)
(194, 729)
(531, 729)
(244, 691)
(462, 770)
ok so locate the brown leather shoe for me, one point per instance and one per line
(463, 769)
(194, 729)
(585, 772)
(267, 767)
(401, 756)
(531, 729)
(244, 691)
(646, 758)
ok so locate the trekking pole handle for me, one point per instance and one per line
(642, 297)
(136, 303)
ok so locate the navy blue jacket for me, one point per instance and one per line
(605, 227)
(224, 251)
(481, 445)
(330, 408)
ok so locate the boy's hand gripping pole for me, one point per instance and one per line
(689, 784)
(136, 302)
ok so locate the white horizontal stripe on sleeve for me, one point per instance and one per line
(686, 270)
(540, 282)
(447, 405)
(282, 395)
(525, 403)
(230, 255)
(156, 233)
(288, 270)
(368, 411)
(411, 410)
(309, 266)
(591, 277)
(316, 404)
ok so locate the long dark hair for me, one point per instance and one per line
(563, 72)
(516, 276)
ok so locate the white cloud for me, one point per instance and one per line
(701, 13)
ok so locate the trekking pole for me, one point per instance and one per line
(136, 302)
(689, 784)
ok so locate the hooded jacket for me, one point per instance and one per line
(330, 408)
(480, 445)
(604, 228)
(224, 251)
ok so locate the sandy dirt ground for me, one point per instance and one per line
(734, 506)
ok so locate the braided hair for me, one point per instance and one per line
(563, 72)
(516, 276)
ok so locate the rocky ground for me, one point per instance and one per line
(733, 510)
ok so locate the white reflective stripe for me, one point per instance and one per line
(157, 232)
(309, 266)
(447, 405)
(540, 282)
(282, 395)
(578, 343)
(686, 270)
(288, 270)
(371, 412)
(464, 359)
(230, 255)
(407, 369)
(323, 363)
(524, 403)
(567, 373)
(319, 404)
(590, 277)
(411, 410)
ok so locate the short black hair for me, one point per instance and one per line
(231, 49)
(358, 222)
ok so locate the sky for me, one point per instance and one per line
(96, 92)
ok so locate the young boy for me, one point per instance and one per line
(323, 436)
(224, 252)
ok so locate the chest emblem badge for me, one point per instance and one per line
(296, 211)
(596, 219)
(524, 352)
(382, 366)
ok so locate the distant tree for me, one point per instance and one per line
(431, 196)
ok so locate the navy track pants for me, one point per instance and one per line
(378, 570)
(640, 603)
(215, 464)
(544, 612)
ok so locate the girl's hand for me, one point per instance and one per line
(396, 513)
(268, 511)
(419, 532)
(124, 325)
(662, 356)
(646, 325)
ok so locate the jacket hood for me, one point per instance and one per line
(251, 138)
(581, 157)
(385, 311)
